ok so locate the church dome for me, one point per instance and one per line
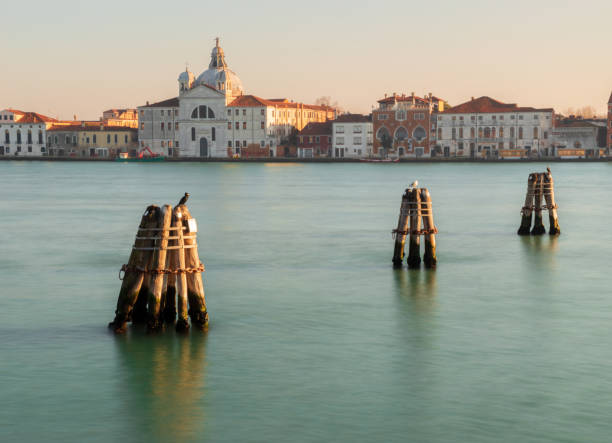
(218, 75)
(185, 76)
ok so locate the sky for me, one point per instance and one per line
(78, 58)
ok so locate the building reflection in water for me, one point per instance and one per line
(163, 382)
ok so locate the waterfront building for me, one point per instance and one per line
(487, 128)
(404, 125)
(352, 136)
(158, 127)
(315, 140)
(91, 139)
(609, 125)
(269, 127)
(120, 117)
(211, 117)
(579, 138)
(23, 133)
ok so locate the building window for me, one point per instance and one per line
(162, 125)
(7, 137)
(244, 112)
(454, 134)
(162, 112)
(115, 138)
(340, 129)
(339, 140)
(229, 112)
(511, 132)
(262, 111)
(95, 139)
(487, 133)
(176, 126)
(356, 140)
(29, 137)
(125, 139)
(535, 133)
(545, 135)
(142, 126)
(262, 125)
(107, 138)
(244, 125)
(192, 134)
(213, 134)
(401, 134)
(439, 133)
(237, 125)
(521, 133)
(40, 137)
(382, 116)
(461, 132)
(229, 125)
(237, 112)
(400, 115)
(229, 143)
(419, 134)
(501, 132)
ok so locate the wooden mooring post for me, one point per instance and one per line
(540, 186)
(416, 208)
(164, 265)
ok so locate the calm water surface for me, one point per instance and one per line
(313, 336)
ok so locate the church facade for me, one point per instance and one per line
(211, 117)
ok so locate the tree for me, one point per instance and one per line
(326, 100)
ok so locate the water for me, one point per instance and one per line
(313, 336)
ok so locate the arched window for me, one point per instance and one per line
(40, 137)
(512, 132)
(202, 111)
(18, 136)
(401, 134)
(213, 134)
(7, 137)
(492, 132)
(194, 113)
(535, 132)
(521, 133)
(479, 132)
(419, 134)
(193, 134)
(382, 133)
(472, 133)
(501, 132)
(487, 132)
(29, 136)
(211, 114)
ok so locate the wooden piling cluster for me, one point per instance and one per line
(163, 275)
(415, 208)
(540, 186)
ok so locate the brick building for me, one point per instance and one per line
(404, 125)
(315, 140)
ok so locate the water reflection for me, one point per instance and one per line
(540, 251)
(418, 286)
(163, 381)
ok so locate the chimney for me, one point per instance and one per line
(472, 98)
(147, 102)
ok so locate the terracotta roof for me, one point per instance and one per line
(79, 127)
(489, 105)
(317, 128)
(30, 117)
(245, 101)
(352, 118)
(169, 103)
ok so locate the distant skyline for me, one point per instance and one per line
(66, 58)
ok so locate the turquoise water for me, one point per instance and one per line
(313, 336)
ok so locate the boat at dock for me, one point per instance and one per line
(143, 156)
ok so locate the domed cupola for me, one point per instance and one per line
(185, 80)
(219, 76)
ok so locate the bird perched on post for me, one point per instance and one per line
(184, 199)
(548, 169)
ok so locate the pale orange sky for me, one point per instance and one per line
(66, 58)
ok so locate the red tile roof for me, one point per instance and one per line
(352, 118)
(317, 128)
(169, 103)
(489, 105)
(245, 101)
(30, 117)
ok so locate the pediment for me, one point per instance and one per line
(202, 91)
